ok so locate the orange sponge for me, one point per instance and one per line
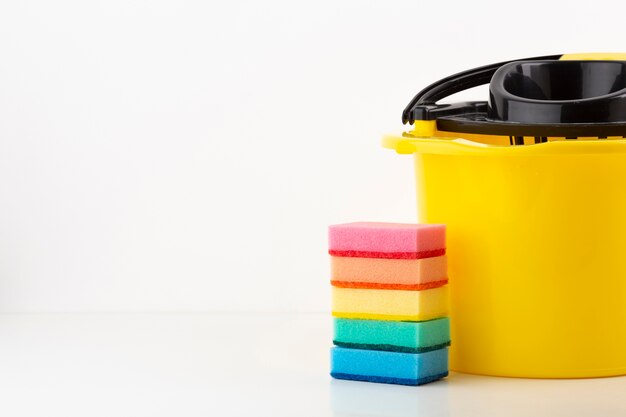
(380, 273)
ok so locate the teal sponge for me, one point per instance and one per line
(389, 367)
(398, 336)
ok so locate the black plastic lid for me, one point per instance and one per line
(534, 97)
(559, 92)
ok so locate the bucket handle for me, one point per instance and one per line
(424, 105)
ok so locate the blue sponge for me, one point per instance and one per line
(389, 367)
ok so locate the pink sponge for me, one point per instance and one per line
(387, 240)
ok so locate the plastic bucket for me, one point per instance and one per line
(536, 249)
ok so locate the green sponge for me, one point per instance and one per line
(398, 336)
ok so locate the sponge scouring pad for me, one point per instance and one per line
(399, 274)
(389, 367)
(357, 303)
(387, 240)
(398, 336)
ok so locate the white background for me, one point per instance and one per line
(189, 155)
(159, 158)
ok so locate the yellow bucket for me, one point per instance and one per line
(536, 244)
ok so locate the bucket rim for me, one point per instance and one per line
(459, 146)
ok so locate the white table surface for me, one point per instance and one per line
(240, 365)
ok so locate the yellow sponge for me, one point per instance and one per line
(357, 303)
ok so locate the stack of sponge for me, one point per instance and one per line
(389, 302)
